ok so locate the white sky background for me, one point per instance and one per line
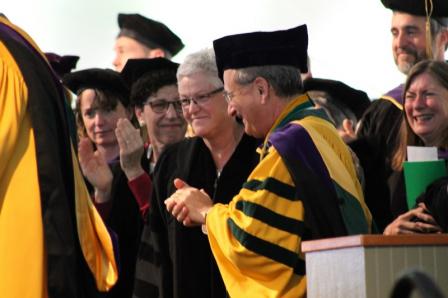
(349, 40)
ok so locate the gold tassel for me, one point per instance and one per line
(428, 9)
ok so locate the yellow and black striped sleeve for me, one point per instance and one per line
(256, 239)
(257, 247)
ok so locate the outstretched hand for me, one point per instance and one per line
(188, 205)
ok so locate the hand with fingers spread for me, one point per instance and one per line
(417, 220)
(95, 169)
(131, 148)
(188, 205)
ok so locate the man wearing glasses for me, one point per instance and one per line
(304, 186)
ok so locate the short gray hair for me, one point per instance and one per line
(285, 80)
(202, 61)
(438, 24)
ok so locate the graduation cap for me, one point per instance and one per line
(62, 64)
(285, 47)
(426, 8)
(151, 33)
(137, 68)
(435, 8)
(355, 100)
(97, 78)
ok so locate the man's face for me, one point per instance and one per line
(165, 127)
(244, 103)
(127, 48)
(408, 40)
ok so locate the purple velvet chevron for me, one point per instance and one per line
(396, 93)
(17, 37)
(443, 154)
(293, 141)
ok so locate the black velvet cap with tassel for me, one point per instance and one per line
(431, 8)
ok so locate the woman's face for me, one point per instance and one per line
(164, 127)
(100, 124)
(208, 116)
(426, 107)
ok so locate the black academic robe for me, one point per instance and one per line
(435, 197)
(176, 261)
(377, 138)
(126, 222)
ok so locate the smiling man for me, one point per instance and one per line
(411, 43)
(303, 179)
(377, 134)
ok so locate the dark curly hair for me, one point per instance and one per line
(149, 84)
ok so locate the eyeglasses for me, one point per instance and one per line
(200, 99)
(160, 106)
(229, 95)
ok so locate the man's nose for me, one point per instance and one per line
(401, 40)
(117, 63)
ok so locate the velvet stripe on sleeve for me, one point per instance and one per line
(256, 238)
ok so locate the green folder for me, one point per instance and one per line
(418, 175)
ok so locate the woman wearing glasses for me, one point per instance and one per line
(155, 98)
(175, 261)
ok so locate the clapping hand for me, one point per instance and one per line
(131, 148)
(188, 205)
(95, 169)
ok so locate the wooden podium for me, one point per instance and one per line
(368, 265)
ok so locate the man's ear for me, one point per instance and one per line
(262, 88)
(445, 38)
